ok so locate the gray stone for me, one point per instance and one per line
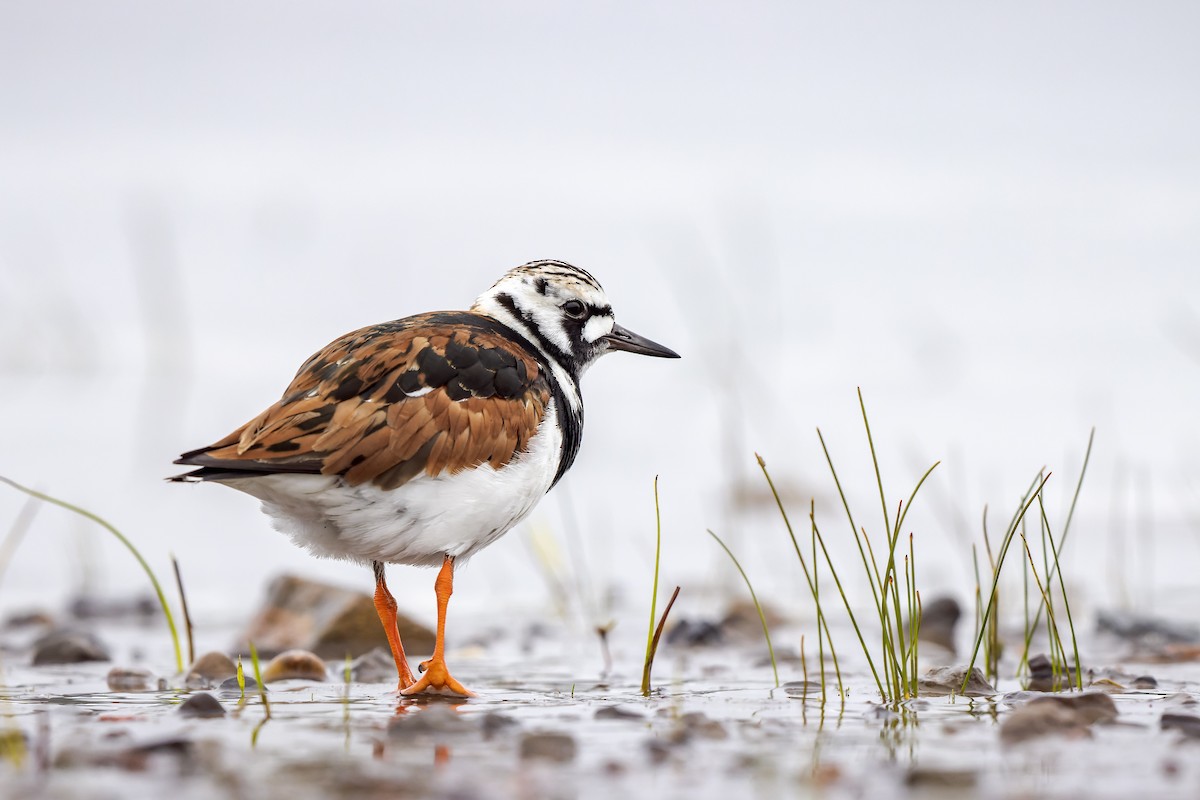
(940, 681)
(201, 705)
(66, 646)
(1057, 715)
(209, 669)
(1186, 724)
(548, 746)
(131, 679)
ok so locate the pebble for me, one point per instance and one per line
(131, 679)
(494, 722)
(1145, 682)
(201, 705)
(295, 664)
(1052, 714)
(548, 746)
(208, 669)
(1186, 724)
(616, 712)
(802, 689)
(699, 724)
(376, 666)
(232, 684)
(939, 618)
(940, 681)
(694, 633)
(940, 778)
(66, 646)
(28, 619)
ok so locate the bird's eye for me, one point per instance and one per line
(574, 308)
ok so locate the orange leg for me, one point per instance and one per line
(436, 675)
(385, 606)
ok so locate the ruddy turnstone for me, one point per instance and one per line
(423, 440)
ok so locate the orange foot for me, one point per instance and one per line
(438, 679)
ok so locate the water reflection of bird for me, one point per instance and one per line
(421, 441)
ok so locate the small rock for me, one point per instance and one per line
(377, 666)
(1052, 714)
(940, 681)
(548, 746)
(28, 619)
(699, 724)
(939, 618)
(494, 722)
(742, 623)
(66, 646)
(1186, 724)
(1040, 667)
(802, 689)
(1145, 682)
(295, 664)
(326, 620)
(119, 608)
(694, 633)
(1147, 630)
(616, 712)
(201, 705)
(208, 669)
(1042, 677)
(657, 751)
(940, 778)
(130, 679)
(231, 684)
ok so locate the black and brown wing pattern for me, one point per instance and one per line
(432, 393)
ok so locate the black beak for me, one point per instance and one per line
(630, 342)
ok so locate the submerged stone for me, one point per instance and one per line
(202, 705)
(1186, 724)
(616, 712)
(1070, 715)
(130, 679)
(548, 746)
(940, 681)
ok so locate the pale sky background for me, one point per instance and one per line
(987, 216)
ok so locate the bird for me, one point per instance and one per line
(422, 440)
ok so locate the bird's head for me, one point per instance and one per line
(563, 311)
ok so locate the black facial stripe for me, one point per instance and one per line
(567, 360)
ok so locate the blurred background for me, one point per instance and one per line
(986, 216)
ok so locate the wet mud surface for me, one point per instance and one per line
(544, 726)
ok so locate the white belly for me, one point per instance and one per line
(422, 521)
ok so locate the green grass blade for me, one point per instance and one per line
(757, 607)
(158, 590)
(653, 595)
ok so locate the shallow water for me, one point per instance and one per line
(715, 726)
